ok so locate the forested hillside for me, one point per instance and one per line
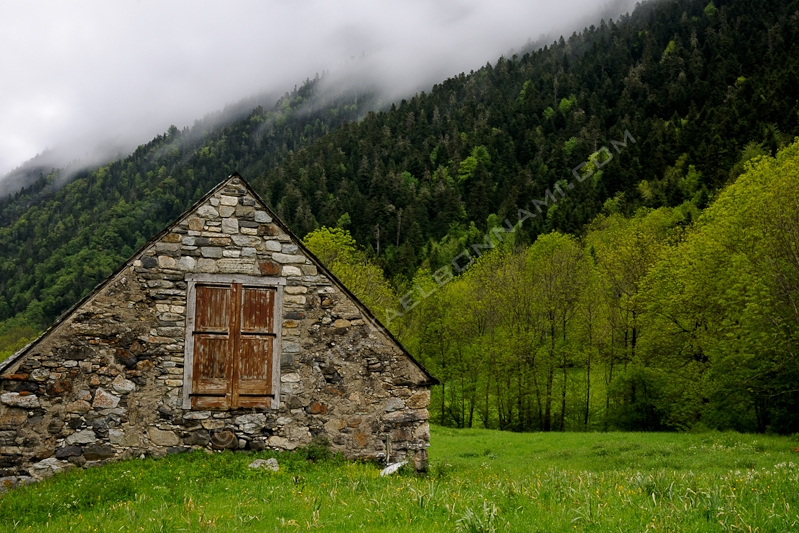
(700, 88)
(693, 83)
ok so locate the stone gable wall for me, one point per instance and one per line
(106, 383)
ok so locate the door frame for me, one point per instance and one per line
(188, 352)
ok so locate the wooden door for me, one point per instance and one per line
(252, 374)
(234, 336)
(212, 367)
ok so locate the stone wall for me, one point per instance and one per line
(106, 382)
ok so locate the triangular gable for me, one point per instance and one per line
(374, 323)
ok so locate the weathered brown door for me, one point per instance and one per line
(234, 337)
(212, 369)
(253, 368)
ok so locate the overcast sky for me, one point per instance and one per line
(80, 74)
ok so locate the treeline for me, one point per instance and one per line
(655, 321)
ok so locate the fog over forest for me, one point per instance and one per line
(89, 81)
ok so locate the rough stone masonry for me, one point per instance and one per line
(106, 382)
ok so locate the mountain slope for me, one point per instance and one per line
(692, 82)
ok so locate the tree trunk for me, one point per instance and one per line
(587, 386)
(565, 377)
(443, 402)
(550, 379)
(563, 396)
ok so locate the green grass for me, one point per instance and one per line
(479, 481)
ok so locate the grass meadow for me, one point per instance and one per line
(479, 481)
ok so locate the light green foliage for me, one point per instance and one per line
(649, 322)
(523, 92)
(409, 179)
(442, 174)
(569, 145)
(530, 338)
(566, 104)
(500, 335)
(750, 152)
(680, 183)
(434, 155)
(339, 252)
(18, 331)
(624, 250)
(670, 50)
(479, 480)
(333, 245)
(14, 337)
(467, 167)
(549, 112)
(613, 205)
(343, 221)
(725, 298)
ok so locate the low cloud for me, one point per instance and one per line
(91, 80)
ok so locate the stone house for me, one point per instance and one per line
(223, 332)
